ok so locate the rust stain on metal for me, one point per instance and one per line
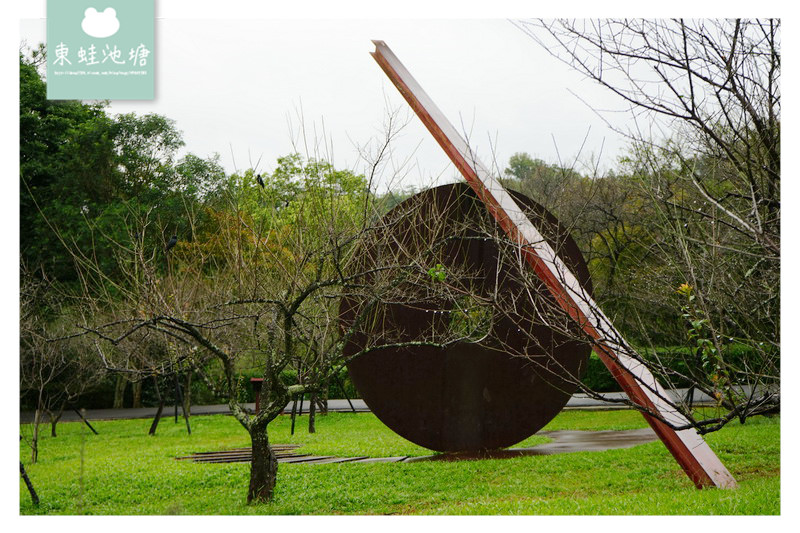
(687, 447)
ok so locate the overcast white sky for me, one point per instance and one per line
(233, 86)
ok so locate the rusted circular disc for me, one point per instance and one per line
(469, 396)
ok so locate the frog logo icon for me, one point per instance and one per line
(100, 25)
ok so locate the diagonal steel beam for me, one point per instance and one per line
(686, 445)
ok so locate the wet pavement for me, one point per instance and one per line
(562, 442)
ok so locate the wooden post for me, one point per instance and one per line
(341, 386)
(687, 446)
(84, 420)
(257, 383)
(176, 397)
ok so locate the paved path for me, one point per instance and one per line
(578, 401)
(169, 411)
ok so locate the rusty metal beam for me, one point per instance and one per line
(687, 446)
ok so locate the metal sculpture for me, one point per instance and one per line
(468, 396)
(687, 447)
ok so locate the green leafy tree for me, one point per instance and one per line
(65, 150)
(87, 177)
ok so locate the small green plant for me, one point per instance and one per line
(437, 273)
(701, 335)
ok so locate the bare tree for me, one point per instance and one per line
(704, 98)
(55, 373)
(271, 309)
(258, 289)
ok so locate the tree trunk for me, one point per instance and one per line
(137, 394)
(119, 391)
(54, 418)
(263, 467)
(157, 418)
(312, 412)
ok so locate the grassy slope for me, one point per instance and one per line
(127, 472)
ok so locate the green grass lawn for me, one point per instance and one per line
(127, 472)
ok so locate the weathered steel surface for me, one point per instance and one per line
(469, 396)
(687, 446)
